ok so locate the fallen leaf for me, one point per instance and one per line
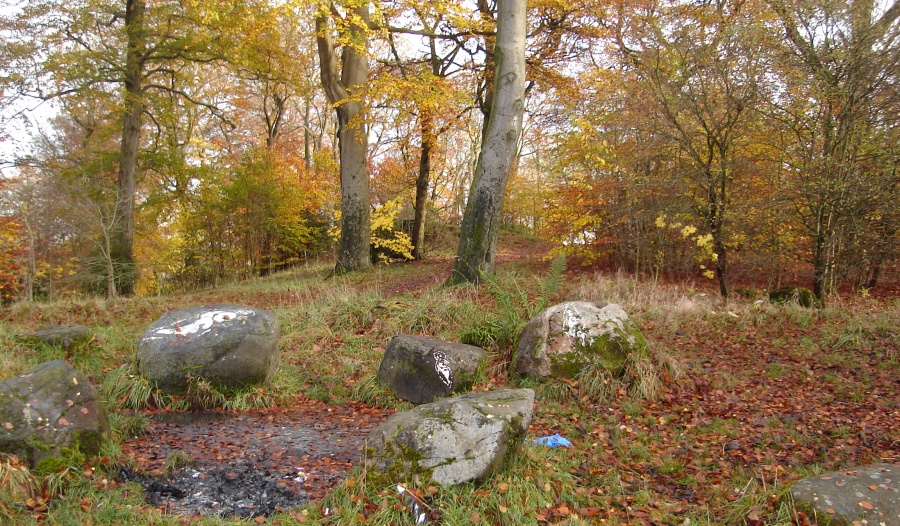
(866, 504)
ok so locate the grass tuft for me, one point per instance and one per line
(368, 390)
(18, 485)
(177, 460)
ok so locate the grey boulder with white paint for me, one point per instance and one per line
(454, 440)
(564, 339)
(227, 345)
(50, 408)
(422, 370)
(862, 495)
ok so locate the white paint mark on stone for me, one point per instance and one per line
(203, 323)
(442, 368)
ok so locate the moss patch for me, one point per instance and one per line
(610, 351)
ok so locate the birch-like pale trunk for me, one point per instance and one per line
(481, 221)
(353, 247)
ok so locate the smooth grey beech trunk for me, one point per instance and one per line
(122, 251)
(481, 221)
(353, 248)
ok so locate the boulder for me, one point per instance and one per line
(47, 409)
(422, 370)
(863, 495)
(563, 339)
(64, 336)
(451, 441)
(227, 345)
(799, 295)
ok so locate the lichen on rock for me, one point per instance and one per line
(564, 339)
(451, 441)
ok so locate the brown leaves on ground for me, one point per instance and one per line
(312, 442)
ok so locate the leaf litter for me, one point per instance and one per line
(251, 463)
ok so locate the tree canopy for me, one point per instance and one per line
(186, 143)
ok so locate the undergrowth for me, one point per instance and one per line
(514, 306)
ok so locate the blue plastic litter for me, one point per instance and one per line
(556, 440)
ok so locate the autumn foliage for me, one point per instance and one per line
(749, 143)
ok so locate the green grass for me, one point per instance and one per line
(634, 439)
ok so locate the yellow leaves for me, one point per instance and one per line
(704, 240)
(385, 235)
(385, 216)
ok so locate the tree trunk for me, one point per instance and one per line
(353, 247)
(307, 136)
(123, 235)
(422, 182)
(31, 271)
(481, 222)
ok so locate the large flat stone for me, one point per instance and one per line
(453, 440)
(868, 494)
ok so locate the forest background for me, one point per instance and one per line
(741, 141)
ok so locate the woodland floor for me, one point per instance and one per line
(253, 463)
(768, 395)
(760, 399)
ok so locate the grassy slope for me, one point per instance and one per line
(769, 394)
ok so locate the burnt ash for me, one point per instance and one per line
(236, 491)
(249, 464)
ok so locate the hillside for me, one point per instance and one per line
(753, 397)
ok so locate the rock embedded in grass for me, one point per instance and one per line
(564, 339)
(451, 441)
(50, 409)
(64, 336)
(229, 346)
(422, 370)
(799, 295)
(862, 495)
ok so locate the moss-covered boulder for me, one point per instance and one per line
(65, 336)
(423, 370)
(564, 339)
(48, 409)
(451, 441)
(799, 295)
